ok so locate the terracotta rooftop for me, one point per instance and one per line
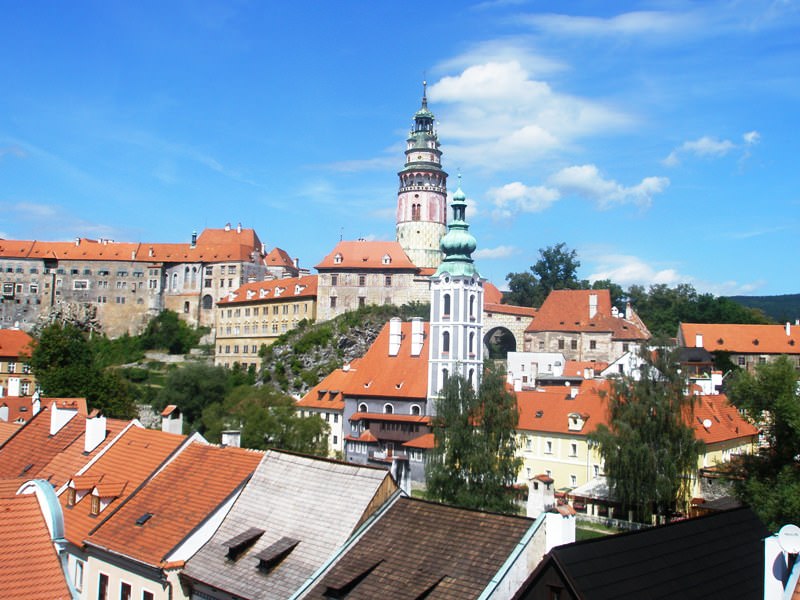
(393, 417)
(275, 290)
(509, 309)
(327, 394)
(7, 430)
(279, 257)
(121, 468)
(15, 343)
(363, 255)
(491, 294)
(725, 421)
(568, 311)
(426, 550)
(178, 499)
(742, 339)
(31, 568)
(577, 368)
(548, 410)
(425, 441)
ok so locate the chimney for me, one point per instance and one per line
(172, 420)
(227, 226)
(77, 241)
(296, 263)
(4, 412)
(698, 340)
(395, 336)
(788, 329)
(150, 252)
(60, 417)
(417, 336)
(592, 305)
(95, 431)
(239, 228)
(133, 254)
(36, 403)
(194, 239)
(232, 438)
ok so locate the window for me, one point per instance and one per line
(102, 587)
(446, 308)
(560, 344)
(472, 308)
(445, 375)
(362, 280)
(34, 288)
(415, 410)
(24, 388)
(362, 301)
(185, 307)
(415, 212)
(12, 366)
(335, 439)
(388, 409)
(573, 480)
(124, 591)
(472, 343)
(573, 344)
(573, 449)
(78, 577)
(147, 595)
(337, 259)
(387, 281)
(625, 347)
(446, 342)
(548, 447)
(232, 269)
(334, 280)
(740, 360)
(335, 420)
(95, 510)
(362, 408)
(26, 368)
(592, 345)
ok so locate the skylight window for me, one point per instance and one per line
(143, 519)
(239, 544)
(272, 555)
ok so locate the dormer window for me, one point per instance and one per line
(71, 497)
(386, 260)
(95, 509)
(337, 259)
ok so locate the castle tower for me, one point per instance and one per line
(456, 329)
(422, 196)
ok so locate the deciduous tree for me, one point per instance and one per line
(474, 463)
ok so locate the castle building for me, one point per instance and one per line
(422, 196)
(456, 326)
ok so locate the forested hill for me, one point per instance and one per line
(780, 308)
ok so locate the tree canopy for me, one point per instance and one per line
(650, 452)
(474, 463)
(556, 269)
(769, 481)
(168, 332)
(65, 366)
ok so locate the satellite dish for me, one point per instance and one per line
(707, 423)
(789, 539)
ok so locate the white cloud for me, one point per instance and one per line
(628, 24)
(53, 222)
(629, 270)
(517, 197)
(586, 181)
(496, 115)
(495, 253)
(709, 147)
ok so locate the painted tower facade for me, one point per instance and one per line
(456, 329)
(422, 196)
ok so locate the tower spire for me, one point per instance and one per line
(424, 94)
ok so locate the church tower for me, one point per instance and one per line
(422, 197)
(456, 329)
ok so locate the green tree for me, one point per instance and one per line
(649, 450)
(557, 268)
(168, 332)
(523, 290)
(65, 366)
(474, 461)
(267, 419)
(769, 481)
(194, 387)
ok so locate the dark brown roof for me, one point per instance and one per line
(425, 550)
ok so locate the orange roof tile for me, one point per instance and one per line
(577, 368)
(426, 441)
(19, 407)
(379, 375)
(366, 436)
(568, 310)
(491, 294)
(279, 257)
(509, 309)
(276, 290)
(363, 255)
(742, 339)
(548, 410)
(133, 458)
(391, 417)
(181, 497)
(168, 410)
(7, 430)
(31, 567)
(725, 422)
(15, 343)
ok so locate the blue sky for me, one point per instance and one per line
(658, 139)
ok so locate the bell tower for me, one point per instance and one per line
(422, 196)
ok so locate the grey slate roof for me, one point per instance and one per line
(317, 502)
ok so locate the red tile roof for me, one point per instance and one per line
(131, 460)
(426, 441)
(363, 255)
(15, 343)
(31, 568)
(179, 498)
(19, 407)
(509, 309)
(213, 245)
(7, 430)
(725, 422)
(568, 310)
(491, 293)
(742, 339)
(577, 368)
(398, 418)
(378, 375)
(322, 395)
(277, 290)
(280, 258)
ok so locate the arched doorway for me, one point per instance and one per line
(498, 342)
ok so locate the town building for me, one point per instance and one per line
(16, 378)
(326, 400)
(746, 345)
(116, 287)
(256, 314)
(584, 326)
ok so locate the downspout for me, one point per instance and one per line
(515, 554)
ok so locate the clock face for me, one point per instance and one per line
(419, 156)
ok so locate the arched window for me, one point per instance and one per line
(186, 307)
(208, 302)
(416, 410)
(388, 409)
(446, 342)
(471, 377)
(415, 212)
(174, 281)
(446, 308)
(445, 376)
(472, 343)
(362, 408)
(472, 307)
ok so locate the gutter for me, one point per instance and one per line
(489, 590)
